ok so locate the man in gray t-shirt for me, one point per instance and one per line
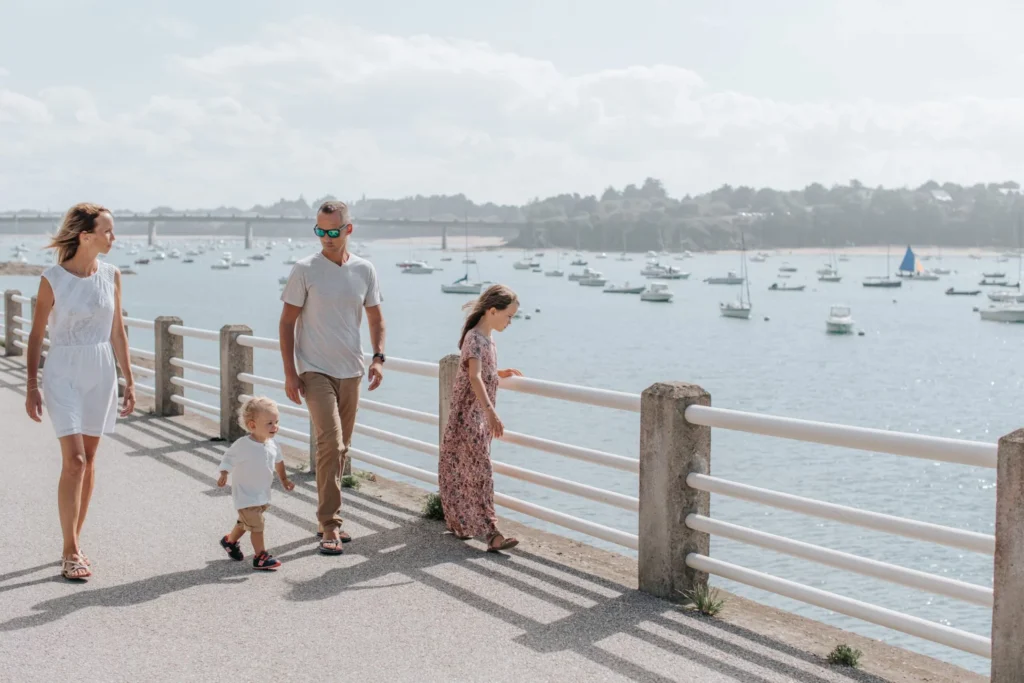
(322, 352)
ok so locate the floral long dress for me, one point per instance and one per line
(464, 470)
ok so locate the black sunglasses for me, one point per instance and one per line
(333, 234)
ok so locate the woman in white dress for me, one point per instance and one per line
(80, 298)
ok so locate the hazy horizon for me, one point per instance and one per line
(199, 105)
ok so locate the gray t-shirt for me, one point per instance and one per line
(332, 298)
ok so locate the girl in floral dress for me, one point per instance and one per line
(464, 470)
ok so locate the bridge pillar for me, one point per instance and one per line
(444, 238)
(1008, 584)
(234, 359)
(248, 235)
(670, 449)
(152, 232)
(11, 308)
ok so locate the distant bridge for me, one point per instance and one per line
(251, 219)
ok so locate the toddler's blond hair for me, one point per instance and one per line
(253, 407)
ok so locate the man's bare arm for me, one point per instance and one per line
(375, 320)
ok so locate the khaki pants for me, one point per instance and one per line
(332, 407)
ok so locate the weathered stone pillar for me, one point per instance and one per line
(1008, 581)
(165, 347)
(11, 308)
(448, 368)
(670, 449)
(234, 359)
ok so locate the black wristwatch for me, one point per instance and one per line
(380, 356)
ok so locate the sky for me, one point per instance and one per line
(200, 104)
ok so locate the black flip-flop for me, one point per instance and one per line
(330, 547)
(345, 538)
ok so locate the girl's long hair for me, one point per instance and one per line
(79, 219)
(496, 296)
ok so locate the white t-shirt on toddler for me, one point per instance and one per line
(251, 465)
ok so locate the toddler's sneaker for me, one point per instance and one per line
(266, 562)
(234, 552)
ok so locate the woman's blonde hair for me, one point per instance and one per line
(496, 296)
(80, 218)
(252, 408)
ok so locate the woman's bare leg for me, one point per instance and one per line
(91, 444)
(69, 490)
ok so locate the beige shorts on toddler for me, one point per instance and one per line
(251, 519)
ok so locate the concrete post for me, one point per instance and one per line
(1008, 580)
(448, 368)
(165, 347)
(670, 449)
(152, 232)
(234, 359)
(11, 308)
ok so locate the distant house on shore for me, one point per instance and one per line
(941, 196)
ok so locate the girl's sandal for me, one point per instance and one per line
(503, 544)
(84, 559)
(72, 569)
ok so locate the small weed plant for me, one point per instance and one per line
(432, 507)
(844, 655)
(705, 600)
(350, 482)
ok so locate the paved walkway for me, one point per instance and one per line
(405, 603)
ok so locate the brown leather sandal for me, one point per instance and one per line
(504, 544)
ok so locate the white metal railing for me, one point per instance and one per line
(141, 353)
(958, 451)
(140, 323)
(21, 299)
(971, 453)
(911, 445)
(937, 633)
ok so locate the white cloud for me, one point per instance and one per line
(4, 72)
(315, 106)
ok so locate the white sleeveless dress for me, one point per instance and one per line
(79, 377)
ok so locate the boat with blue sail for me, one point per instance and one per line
(912, 269)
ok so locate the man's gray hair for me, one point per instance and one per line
(338, 207)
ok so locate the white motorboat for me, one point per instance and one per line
(623, 257)
(830, 278)
(259, 257)
(731, 278)
(174, 254)
(741, 307)
(578, 262)
(1007, 296)
(419, 269)
(160, 256)
(776, 287)
(757, 258)
(625, 289)
(672, 273)
(223, 265)
(652, 269)
(240, 263)
(587, 272)
(941, 271)
(839, 321)
(291, 261)
(127, 270)
(554, 273)
(523, 265)
(1003, 313)
(594, 279)
(656, 292)
(786, 268)
(602, 255)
